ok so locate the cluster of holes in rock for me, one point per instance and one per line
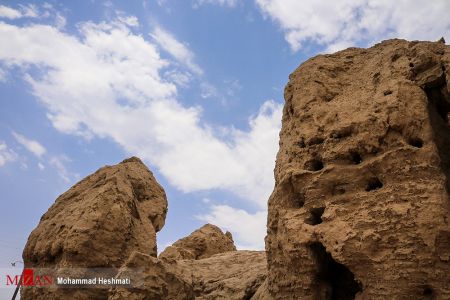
(335, 280)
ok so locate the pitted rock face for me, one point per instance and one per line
(99, 222)
(202, 243)
(360, 207)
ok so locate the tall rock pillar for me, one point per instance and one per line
(361, 204)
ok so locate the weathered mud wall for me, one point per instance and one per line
(361, 202)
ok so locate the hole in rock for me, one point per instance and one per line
(315, 216)
(355, 157)
(334, 280)
(314, 165)
(438, 99)
(415, 142)
(342, 133)
(428, 293)
(301, 143)
(373, 184)
(438, 110)
(411, 65)
(298, 200)
(338, 190)
(315, 141)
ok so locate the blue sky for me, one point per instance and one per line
(194, 88)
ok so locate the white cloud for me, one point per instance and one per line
(44, 11)
(31, 145)
(181, 79)
(41, 166)
(9, 13)
(248, 230)
(60, 21)
(24, 11)
(207, 90)
(30, 11)
(229, 3)
(108, 84)
(2, 75)
(337, 24)
(59, 163)
(6, 154)
(128, 20)
(161, 2)
(177, 49)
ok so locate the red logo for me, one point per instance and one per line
(29, 279)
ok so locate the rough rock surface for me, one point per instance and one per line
(108, 222)
(361, 202)
(152, 279)
(99, 222)
(230, 275)
(202, 243)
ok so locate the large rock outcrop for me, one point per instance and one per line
(202, 243)
(98, 223)
(361, 202)
(105, 226)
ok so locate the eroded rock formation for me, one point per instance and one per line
(99, 222)
(106, 225)
(360, 207)
(228, 275)
(202, 243)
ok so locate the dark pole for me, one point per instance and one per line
(17, 288)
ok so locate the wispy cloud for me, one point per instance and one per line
(44, 11)
(23, 11)
(2, 75)
(128, 20)
(178, 50)
(6, 154)
(108, 81)
(9, 13)
(226, 3)
(31, 145)
(59, 163)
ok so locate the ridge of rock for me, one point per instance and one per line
(202, 243)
